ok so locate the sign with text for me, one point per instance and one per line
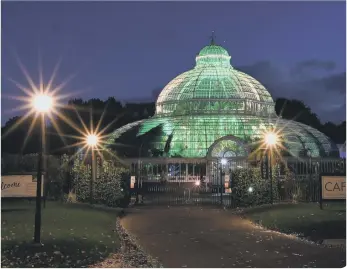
(19, 186)
(333, 187)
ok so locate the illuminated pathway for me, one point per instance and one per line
(207, 237)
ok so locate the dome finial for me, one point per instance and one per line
(213, 36)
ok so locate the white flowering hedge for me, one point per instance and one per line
(110, 188)
(250, 189)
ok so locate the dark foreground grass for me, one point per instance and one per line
(73, 235)
(306, 220)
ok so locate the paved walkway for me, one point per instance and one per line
(207, 237)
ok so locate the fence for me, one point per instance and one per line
(174, 180)
(63, 176)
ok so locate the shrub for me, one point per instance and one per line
(245, 178)
(108, 189)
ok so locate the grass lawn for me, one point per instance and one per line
(73, 235)
(307, 220)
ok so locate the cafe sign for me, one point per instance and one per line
(333, 187)
(19, 186)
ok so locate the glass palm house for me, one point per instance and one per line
(214, 111)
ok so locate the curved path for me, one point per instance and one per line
(209, 237)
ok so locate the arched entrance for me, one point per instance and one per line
(228, 147)
(224, 155)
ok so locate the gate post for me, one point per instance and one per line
(137, 181)
(221, 183)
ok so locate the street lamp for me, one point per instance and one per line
(270, 140)
(224, 161)
(92, 141)
(42, 104)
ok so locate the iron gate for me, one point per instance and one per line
(200, 183)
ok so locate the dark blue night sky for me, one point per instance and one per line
(131, 50)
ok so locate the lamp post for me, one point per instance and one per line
(308, 153)
(42, 104)
(138, 175)
(309, 162)
(270, 176)
(92, 141)
(270, 140)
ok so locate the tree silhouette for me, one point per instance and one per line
(113, 114)
(298, 111)
(15, 136)
(109, 113)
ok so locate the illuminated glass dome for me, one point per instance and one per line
(215, 109)
(214, 86)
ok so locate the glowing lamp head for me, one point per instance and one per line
(250, 189)
(92, 140)
(42, 103)
(223, 161)
(197, 183)
(271, 139)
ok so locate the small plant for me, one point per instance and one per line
(296, 194)
(71, 197)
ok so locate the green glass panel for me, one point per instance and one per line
(214, 100)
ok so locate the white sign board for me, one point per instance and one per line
(226, 178)
(132, 182)
(333, 187)
(19, 186)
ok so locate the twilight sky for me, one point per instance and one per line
(131, 50)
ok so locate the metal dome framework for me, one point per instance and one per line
(213, 100)
(192, 136)
(214, 87)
